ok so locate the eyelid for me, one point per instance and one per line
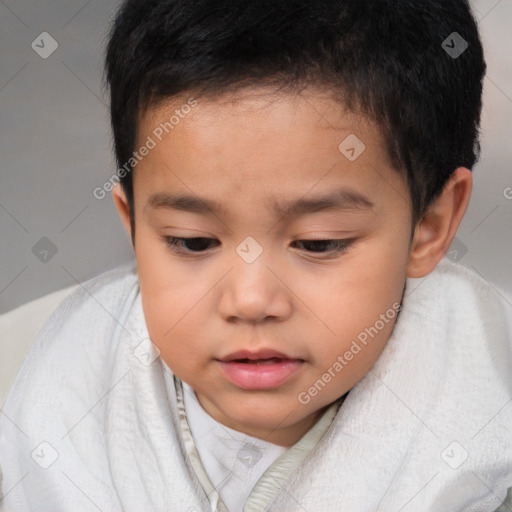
(343, 245)
(172, 243)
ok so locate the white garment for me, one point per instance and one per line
(233, 461)
(270, 483)
(231, 465)
(91, 421)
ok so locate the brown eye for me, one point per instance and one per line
(326, 246)
(188, 245)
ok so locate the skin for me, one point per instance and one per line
(243, 150)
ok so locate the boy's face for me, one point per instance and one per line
(256, 286)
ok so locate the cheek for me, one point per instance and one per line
(165, 300)
(173, 309)
(380, 270)
(172, 315)
(177, 335)
(353, 296)
(356, 306)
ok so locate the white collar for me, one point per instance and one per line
(233, 461)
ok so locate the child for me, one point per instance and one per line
(291, 337)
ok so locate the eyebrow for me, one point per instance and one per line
(338, 200)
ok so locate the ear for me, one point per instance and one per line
(122, 207)
(435, 233)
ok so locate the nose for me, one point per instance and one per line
(253, 292)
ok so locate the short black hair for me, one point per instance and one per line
(395, 61)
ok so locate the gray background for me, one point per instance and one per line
(55, 148)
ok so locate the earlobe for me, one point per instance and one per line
(435, 233)
(122, 206)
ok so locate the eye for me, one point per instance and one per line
(196, 245)
(326, 246)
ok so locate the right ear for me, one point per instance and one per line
(122, 207)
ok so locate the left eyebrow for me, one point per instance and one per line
(338, 200)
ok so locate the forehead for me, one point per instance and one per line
(277, 145)
(258, 112)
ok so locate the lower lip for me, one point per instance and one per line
(259, 376)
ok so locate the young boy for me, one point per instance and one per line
(291, 338)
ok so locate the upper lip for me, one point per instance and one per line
(260, 354)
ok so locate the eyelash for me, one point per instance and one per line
(175, 244)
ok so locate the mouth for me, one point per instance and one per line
(259, 370)
(272, 360)
(259, 355)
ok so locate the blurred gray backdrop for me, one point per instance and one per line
(55, 148)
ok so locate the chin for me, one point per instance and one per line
(258, 414)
